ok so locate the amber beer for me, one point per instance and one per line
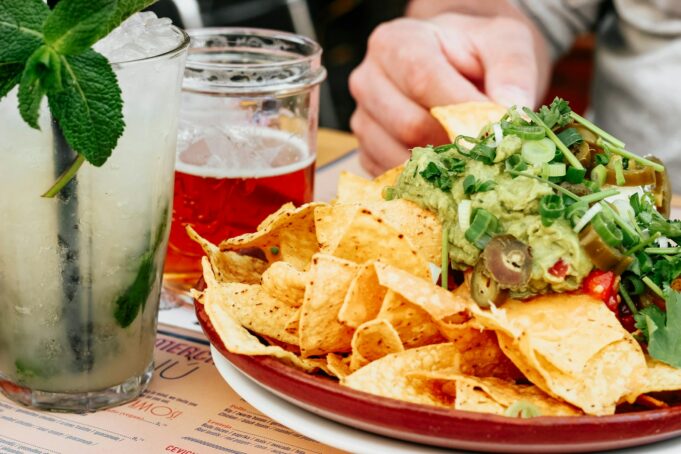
(219, 202)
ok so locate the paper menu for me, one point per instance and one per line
(187, 409)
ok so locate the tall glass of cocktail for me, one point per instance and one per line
(247, 137)
(80, 273)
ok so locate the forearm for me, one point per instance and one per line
(425, 9)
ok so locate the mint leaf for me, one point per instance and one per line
(10, 75)
(89, 109)
(75, 25)
(135, 297)
(42, 74)
(664, 340)
(20, 29)
(30, 95)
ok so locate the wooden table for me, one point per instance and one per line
(332, 144)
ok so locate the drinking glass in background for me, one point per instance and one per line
(80, 274)
(247, 139)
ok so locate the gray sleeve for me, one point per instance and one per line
(561, 21)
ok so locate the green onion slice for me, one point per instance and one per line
(483, 226)
(525, 132)
(574, 175)
(571, 158)
(599, 174)
(458, 143)
(444, 271)
(551, 207)
(607, 230)
(576, 211)
(538, 152)
(570, 136)
(515, 163)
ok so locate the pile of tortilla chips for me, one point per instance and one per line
(348, 290)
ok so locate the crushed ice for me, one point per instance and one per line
(141, 35)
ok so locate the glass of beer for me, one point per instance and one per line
(247, 138)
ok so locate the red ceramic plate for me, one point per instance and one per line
(449, 428)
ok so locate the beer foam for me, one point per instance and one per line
(241, 152)
(207, 172)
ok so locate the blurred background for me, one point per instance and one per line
(342, 27)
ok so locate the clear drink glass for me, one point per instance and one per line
(247, 137)
(80, 274)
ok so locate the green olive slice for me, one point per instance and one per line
(662, 189)
(603, 256)
(635, 175)
(583, 154)
(484, 289)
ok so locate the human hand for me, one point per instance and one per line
(412, 65)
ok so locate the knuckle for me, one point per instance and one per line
(418, 74)
(356, 124)
(412, 131)
(389, 34)
(356, 82)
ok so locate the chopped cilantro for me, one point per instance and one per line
(472, 186)
(437, 176)
(557, 114)
(664, 335)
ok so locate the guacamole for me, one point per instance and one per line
(558, 261)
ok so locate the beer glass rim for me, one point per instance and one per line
(181, 46)
(305, 53)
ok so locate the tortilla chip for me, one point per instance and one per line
(320, 332)
(373, 340)
(364, 298)
(237, 339)
(338, 365)
(387, 376)
(285, 283)
(421, 227)
(414, 326)
(293, 323)
(288, 235)
(367, 237)
(659, 377)
(331, 222)
(250, 305)
(230, 266)
(467, 118)
(571, 346)
(390, 176)
(567, 329)
(353, 189)
(439, 303)
(487, 395)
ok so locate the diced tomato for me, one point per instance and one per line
(628, 322)
(600, 284)
(613, 303)
(559, 269)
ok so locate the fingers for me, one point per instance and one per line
(409, 53)
(379, 151)
(508, 55)
(406, 121)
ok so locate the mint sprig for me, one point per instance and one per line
(48, 53)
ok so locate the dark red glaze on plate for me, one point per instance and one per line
(449, 428)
